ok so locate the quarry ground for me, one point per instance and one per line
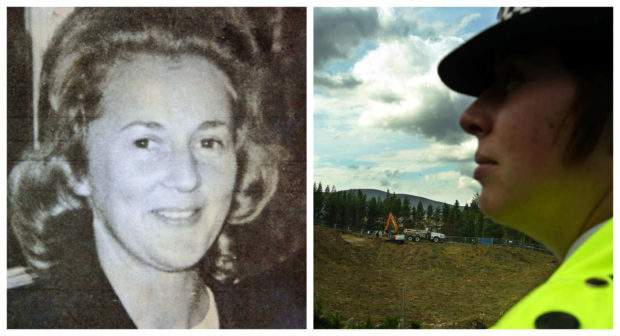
(443, 285)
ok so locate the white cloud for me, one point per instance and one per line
(394, 169)
(464, 23)
(417, 159)
(395, 87)
(444, 186)
(392, 90)
(401, 91)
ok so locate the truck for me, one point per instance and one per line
(428, 234)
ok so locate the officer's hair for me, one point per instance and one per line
(593, 106)
(589, 57)
(83, 49)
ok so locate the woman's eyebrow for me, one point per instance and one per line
(147, 124)
(155, 125)
(211, 124)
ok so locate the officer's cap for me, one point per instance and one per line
(469, 68)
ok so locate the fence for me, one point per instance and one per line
(456, 239)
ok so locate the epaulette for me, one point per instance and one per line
(19, 276)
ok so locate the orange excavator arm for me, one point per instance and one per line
(390, 217)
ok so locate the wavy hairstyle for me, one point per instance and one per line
(85, 46)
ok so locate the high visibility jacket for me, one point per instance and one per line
(578, 295)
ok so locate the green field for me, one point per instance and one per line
(447, 285)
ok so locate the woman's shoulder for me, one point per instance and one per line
(25, 298)
(72, 296)
(274, 299)
(41, 304)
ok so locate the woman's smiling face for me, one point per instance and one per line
(162, 160)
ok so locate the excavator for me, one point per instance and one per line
(397, 238)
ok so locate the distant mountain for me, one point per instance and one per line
(413, 200)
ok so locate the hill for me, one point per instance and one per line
(413, 200)
(447, 285)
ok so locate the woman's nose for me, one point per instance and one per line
(477, 119)
(183, 172)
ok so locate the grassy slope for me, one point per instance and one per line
(448, 285)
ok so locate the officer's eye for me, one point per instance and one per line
(509, 78)
(512, 81)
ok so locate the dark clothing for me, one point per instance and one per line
(78, 295)
(271, 300)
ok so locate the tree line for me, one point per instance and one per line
(352, 208)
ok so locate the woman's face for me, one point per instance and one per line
(523, 124)
(162, 161)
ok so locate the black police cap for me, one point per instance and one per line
(469, 68)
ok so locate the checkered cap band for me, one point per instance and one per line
(507, 13)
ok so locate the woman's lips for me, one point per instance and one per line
(178, 217)
(485, 165)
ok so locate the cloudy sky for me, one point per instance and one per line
(382, 117)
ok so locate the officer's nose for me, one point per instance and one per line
(478, 118)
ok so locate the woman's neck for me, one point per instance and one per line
(153, 298)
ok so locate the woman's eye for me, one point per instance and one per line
(142, 143)
(210, 143)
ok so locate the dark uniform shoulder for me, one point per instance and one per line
(72, 297)
(29, 301)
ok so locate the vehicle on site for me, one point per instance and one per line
(393, 236)
(427, 234)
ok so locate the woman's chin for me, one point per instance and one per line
(174, 265)
(177, 261)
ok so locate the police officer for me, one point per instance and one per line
(542, 78)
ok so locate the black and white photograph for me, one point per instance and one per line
(156, 165)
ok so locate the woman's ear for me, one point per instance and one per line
(81, 187)
(78, 184)
(257, 186)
